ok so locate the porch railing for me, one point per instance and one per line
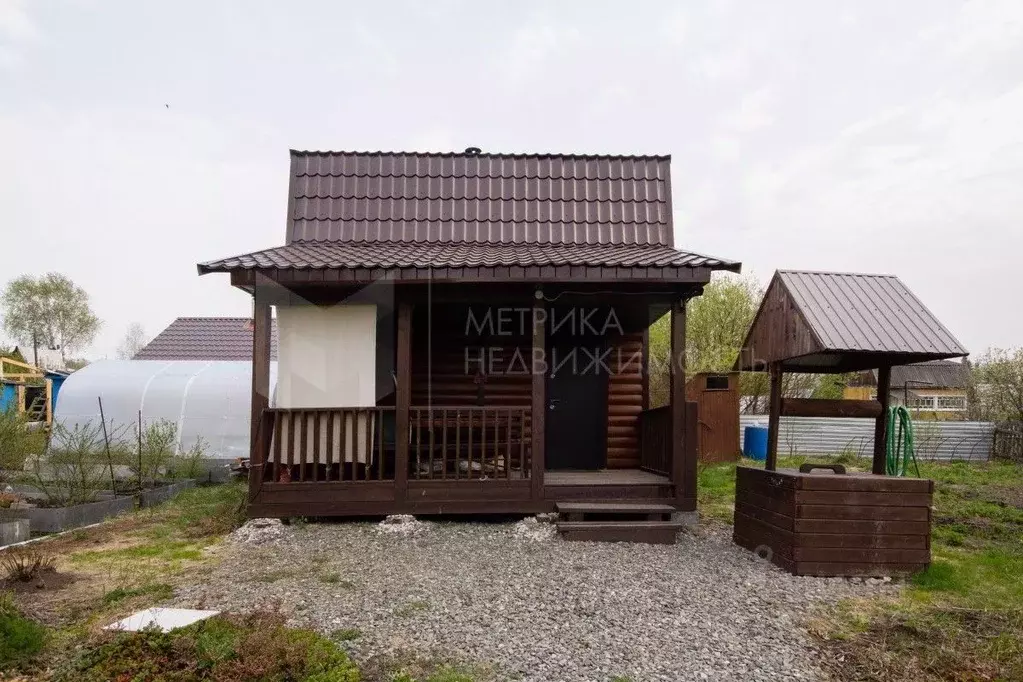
(329, 444)
(358, 443)
(655, 440)
(468, 442)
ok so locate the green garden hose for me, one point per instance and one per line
(899, 448)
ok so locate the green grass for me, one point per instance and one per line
(334, 578)
(962, 618)
(346, 634)
(155, 591)
(21, 639)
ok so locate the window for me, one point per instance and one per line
(718, 382)
(951, 402)
(921, 402)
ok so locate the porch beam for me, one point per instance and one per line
(402, 400)
(677, 400)
(539, 398)
(884, 386)
(260, 389)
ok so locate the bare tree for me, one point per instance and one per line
(134, 340)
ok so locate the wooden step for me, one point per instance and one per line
(613, 508)
(649, 532)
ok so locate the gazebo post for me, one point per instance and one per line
(884, 380)
(774, 417)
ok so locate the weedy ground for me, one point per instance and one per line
(962, 618)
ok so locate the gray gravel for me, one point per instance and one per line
(533, 607)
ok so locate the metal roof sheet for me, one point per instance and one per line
(206, 338)
(489, 198)
(319, 255)
(933, 374)
(869, 313)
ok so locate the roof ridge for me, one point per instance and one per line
(495, 155)
(829, 272)
(438, 242)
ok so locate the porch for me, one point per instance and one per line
(508, 442)
(461, 460)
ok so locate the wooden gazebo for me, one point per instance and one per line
(837, 523)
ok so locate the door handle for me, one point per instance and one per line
(553, 404)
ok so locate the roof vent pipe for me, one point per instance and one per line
(473, 151)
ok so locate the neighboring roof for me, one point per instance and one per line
(206, 338)
(827, 322)
(361, 216)
(461, 260)
(933, 374)
(490, 198)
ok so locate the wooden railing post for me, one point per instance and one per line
(260, 389)
(539, 398)
(402, 401)
(677, 400)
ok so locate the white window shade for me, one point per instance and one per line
(326, 356)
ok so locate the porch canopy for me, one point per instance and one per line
(829, 322)
(515, 231)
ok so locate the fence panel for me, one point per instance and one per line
(836, 436)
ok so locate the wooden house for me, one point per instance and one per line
(935, 390)
(464, 333)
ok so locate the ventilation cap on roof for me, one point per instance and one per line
(473, 151)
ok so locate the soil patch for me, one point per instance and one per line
(47, 581)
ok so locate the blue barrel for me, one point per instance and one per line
(754, 442)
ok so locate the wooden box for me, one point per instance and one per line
(827, 524)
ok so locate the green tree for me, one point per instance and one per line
(716, 326)
(51, 311)
(998, 391)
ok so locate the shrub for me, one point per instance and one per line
(190, 463)
(153, 451)
(76, 466)
(17, 442)
(20, 638)
(25, 563)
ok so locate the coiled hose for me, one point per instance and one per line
(899, 448)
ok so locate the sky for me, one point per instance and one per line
(140, 138)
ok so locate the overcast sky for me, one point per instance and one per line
(138, 138)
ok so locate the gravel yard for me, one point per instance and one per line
(527, 605)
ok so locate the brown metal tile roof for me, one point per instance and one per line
(842, 322)
(874, 313)
(446, 260)
(206, 338)
(489, 198)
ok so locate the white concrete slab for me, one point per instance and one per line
(163, 618)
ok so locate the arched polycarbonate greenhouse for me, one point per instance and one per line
(208, 399)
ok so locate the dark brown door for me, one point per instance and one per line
(576, 425)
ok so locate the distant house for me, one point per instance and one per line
(206, 338)
(935, 389)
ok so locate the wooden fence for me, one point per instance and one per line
(469, 442)
(1008, 442)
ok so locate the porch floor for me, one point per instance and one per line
(605, 477)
